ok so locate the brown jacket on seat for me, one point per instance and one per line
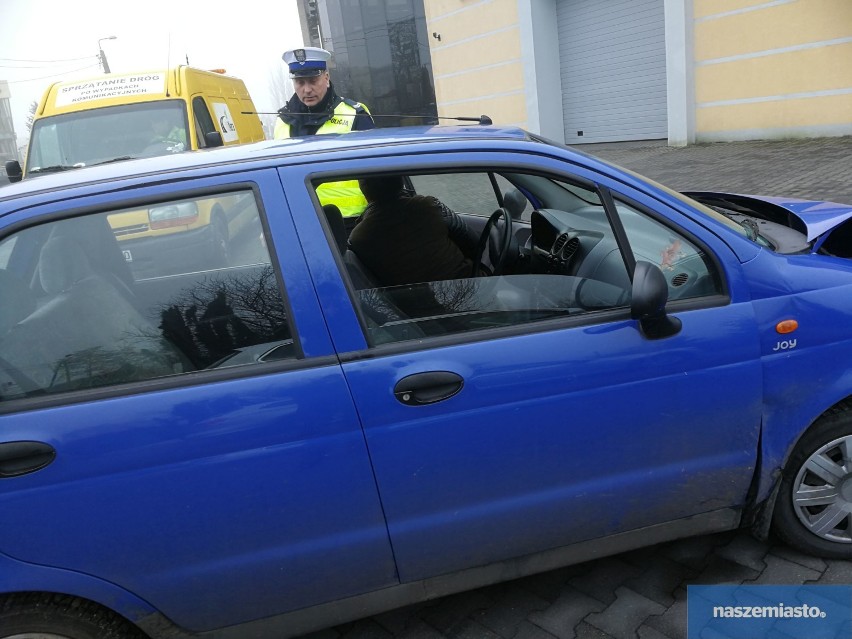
(406, 240)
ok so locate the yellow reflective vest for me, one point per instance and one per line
(345, 195)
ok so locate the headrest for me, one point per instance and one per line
(61, 264)
(514, 202)
(337, 226)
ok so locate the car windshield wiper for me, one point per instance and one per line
(752, 230)
(53, 169)
(118, 159)
(751, 227)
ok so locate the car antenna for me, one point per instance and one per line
(482, 119)
(168, 62)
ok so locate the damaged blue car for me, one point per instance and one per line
(281, 437)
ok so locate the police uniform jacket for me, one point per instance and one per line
(333, 115)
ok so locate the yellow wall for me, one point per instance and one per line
(769, 69)
(477, 62)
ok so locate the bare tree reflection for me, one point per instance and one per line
(458, 296)
(440, 301)
(224, 312)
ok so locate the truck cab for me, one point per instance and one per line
(122, 116)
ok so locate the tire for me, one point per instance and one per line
(819, 522)
(51, 616)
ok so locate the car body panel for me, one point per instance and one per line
(543, 474)
(805, 371)
(19, 576)
(819, 217)
(236, 497)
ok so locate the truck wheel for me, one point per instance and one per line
(51, 616)
(814, 508)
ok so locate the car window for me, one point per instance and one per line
(411, 261)
(469, 193)
(411, 256)
(686, 267)
(139, 293)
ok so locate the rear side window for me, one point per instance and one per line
(137, 294)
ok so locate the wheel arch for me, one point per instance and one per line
(18, 577)
(773, 458)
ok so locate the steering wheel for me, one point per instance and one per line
(497, 254)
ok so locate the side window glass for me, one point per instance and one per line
(203, 121)
(472, 193)
(137, 294)
(465, 193)
(688, 269)
(421, 268)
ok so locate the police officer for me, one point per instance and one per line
(315, 108)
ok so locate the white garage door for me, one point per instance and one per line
(613, 61)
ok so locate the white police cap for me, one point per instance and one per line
(306, 62)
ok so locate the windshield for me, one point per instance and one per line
(107, 134)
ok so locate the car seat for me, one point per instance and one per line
(86, 333)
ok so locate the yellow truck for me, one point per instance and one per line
(127, 115)
(122, 116)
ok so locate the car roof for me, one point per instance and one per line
(295, 148)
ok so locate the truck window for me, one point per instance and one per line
(96, 136)
(203, 121)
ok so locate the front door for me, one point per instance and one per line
(527, 411)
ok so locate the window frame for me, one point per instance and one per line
(595, 182)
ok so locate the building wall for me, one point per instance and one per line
(8, 146)
(735, 69)
(772, 69)
(477, 62)
(380, 55)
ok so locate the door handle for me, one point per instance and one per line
(20, 458)
(427, 388)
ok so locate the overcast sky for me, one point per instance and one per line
(45, 41)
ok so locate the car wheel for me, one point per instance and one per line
(50, 616)
(814, 508)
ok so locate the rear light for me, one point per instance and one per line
(181, 214)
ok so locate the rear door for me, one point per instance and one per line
(208, 455)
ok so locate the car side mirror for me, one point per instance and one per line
(213, 139)
(13, 171)
(648, 302)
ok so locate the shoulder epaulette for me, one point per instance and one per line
(355, 105)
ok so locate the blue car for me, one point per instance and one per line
(291, 439)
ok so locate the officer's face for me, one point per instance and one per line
(311, 91)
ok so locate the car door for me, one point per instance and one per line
(187, 435)
(495, 443)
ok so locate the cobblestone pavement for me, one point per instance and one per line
(642, 594)
(816, 168)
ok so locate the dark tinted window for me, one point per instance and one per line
(136, 294)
